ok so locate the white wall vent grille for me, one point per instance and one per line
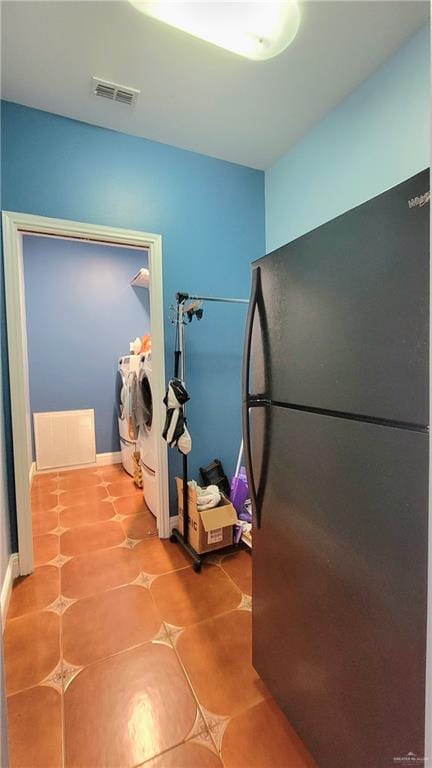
(64, 438)
(114, 92)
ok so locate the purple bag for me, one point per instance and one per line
(244, 516)
(239, 490)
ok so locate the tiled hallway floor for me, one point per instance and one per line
(118, 654)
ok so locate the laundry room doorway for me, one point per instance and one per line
(76, 296)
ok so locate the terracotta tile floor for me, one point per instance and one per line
(118, 655)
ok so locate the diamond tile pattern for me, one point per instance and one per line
(118, 654)
(139, 526)
(45, 520)
(183, 599)
(160, 556)
(97, 571)
(91, 537)
(193, 754)
(261, 737)
(34, 592)
(137, 703)
(45, 548)
(101, 625)
(34, 719)
(239, 568)
(222, 643)
(31, 648)
(71, 517)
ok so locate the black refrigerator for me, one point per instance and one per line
(335, 422)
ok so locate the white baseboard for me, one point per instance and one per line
(32, 473)
(108, 458)
(102, 459)
(12, 571)
(173, 521)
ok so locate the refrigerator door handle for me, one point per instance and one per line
(247, 403)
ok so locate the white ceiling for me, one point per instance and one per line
(195, 95)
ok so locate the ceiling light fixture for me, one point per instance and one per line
(255, 30)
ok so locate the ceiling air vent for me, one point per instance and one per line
(114, 92)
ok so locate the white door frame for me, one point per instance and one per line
(15, 225)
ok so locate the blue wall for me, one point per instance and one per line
(377, 137)
(81, 315)
(211, 217)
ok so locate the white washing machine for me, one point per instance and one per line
(147, 434)
(126, 406)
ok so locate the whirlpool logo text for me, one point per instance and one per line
(419, 201)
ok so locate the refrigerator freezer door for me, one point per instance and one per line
(345, 313)
(339, 583)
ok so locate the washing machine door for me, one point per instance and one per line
(144, 402)
(131, 409)
(121, 394)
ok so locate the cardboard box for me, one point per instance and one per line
(210, 529)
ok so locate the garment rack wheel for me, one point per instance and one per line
(177, 538)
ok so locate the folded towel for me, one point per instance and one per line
(208, 497)
(208, 503)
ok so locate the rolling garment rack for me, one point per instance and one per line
(180, 373)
